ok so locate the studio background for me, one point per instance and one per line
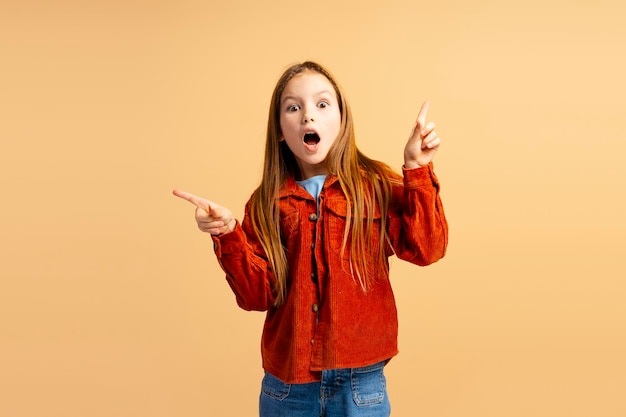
(111, 301)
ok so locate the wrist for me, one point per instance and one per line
(231, 225)
(412, 165)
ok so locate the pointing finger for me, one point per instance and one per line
(199, 202)
(421, 116)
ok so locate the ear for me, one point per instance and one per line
(281, 138)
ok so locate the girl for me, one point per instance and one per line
(313, 247)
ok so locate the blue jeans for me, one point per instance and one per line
(340, 393)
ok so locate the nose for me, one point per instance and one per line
(308, 117)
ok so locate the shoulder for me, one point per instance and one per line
(376, 170)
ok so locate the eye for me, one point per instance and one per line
(322, 104)
(293, 108)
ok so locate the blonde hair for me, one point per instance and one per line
(366, 184)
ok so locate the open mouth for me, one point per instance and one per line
(311, 138)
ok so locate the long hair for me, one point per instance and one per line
(366, 184)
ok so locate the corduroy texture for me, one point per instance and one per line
(328, 321)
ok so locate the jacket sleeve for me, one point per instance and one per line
(418, 229)
(243, 259)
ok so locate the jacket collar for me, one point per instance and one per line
(292, 189)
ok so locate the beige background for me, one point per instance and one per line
(111, 301)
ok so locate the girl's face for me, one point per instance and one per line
(310, 120)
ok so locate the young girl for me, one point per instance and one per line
(313, 247)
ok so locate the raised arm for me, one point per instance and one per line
(418, 228)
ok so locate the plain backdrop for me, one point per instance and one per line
(111, 301)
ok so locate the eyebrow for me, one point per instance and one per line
(319, 93)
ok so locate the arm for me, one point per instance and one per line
(242, 257)
(418, 228)
(417, 224)
(238, 252)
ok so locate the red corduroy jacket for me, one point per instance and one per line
(327, 321)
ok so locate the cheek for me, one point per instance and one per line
(281, 125)
(285, 125)
(337, 124)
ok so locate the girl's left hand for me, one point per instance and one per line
(423, 142)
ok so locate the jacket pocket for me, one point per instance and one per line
(289, 224)
(336, 214)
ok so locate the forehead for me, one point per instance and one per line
(308, 83)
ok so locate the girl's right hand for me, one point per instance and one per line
(211, 217)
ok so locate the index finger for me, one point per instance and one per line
(421, 116)
(193, 199)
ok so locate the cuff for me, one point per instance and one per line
(420, 177)
(229, 243)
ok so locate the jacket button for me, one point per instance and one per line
(312, 341)
(313, 276)
(315, 308)
(312, 217)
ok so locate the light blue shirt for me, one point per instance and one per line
(314, 186)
